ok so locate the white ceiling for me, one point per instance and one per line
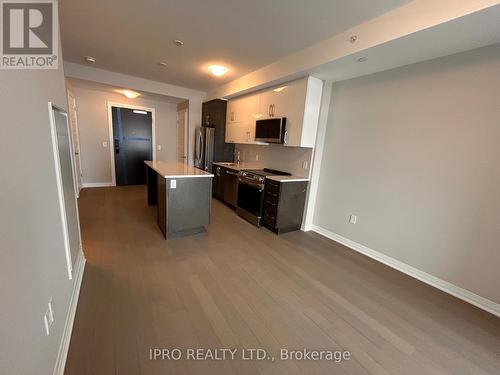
(131, 36)
(469, 32)
(111, 89)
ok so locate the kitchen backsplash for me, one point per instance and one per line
(288, 159)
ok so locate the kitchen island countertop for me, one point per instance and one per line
(174, 169)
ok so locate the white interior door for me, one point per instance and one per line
(63, 151)
(182, 135)
(75, 140)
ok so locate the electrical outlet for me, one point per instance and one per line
(173, 184)
(353, 219)
(104, 144)
(305, 164)
(158, 147)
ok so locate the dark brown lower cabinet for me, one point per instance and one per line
(225, 186)
(284, 205)
(230, 187)
(218, 185)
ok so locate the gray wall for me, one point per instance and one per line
(414, 152)
(32, 257)
(91, 101)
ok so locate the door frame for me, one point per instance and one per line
(60, 189)
(186, 132)
(77, 165)
(110, 131)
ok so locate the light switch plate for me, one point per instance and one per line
(46, 323)
(173, 184)
(158, 147)
(51, 311)
(305, 164)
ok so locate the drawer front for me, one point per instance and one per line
(270, 221)
(270, 213)
(271, 198)
(270, 209)
(272, 187)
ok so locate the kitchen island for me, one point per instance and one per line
(183, 195)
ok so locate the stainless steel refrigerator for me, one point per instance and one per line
(204, 148)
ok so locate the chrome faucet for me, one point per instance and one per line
(237, 156)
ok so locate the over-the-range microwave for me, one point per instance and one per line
(272, 130)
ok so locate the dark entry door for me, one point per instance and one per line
(132, 137)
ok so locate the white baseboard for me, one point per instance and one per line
(445, 286)
(96, 184)
(70, 318)
(307, 227)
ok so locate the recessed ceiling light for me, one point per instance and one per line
(178, 42)
(89, 59)
(353, 38)
(218, 70)
(129, 93)
(162, 63)
(362, 59)
(279, 89)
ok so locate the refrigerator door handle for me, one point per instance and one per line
(202, 148)
(197, 148)
(198, 156)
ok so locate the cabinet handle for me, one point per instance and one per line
(285, 137)
(272, 110)
(232, 116)
(269, 111)
(218, 171)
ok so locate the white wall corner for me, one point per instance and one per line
(456, 291)
(317, 156)
(70, 317)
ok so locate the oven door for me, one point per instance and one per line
(250, 198)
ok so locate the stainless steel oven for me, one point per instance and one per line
(272, 130)
(251, 185)
(250, 196)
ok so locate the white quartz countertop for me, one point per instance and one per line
(236, 167)
(173, 169)
(242, 166)
(287, 178)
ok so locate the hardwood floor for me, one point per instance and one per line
(242, 287)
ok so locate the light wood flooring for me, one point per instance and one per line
(242, 287)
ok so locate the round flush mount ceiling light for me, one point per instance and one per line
(279, 89)
(129, 93)
(218, 70)
(178, 42)
(89, 59)
(362, 59)
(162, 63)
